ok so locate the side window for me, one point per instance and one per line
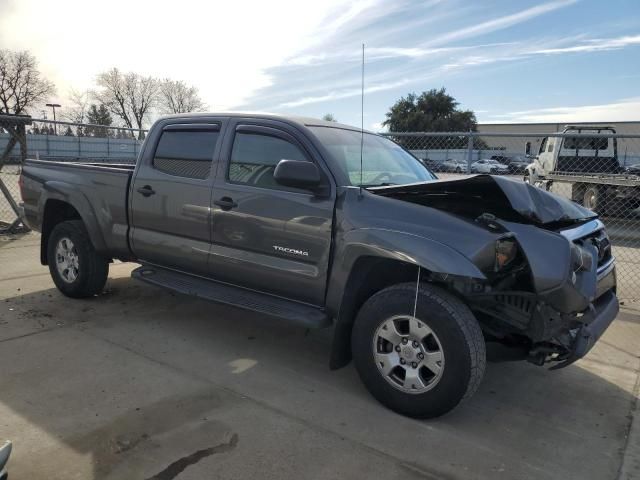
(186, 153)
(543, 145)
(254, 158)
(550, 147)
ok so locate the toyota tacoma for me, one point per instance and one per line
(325, 225)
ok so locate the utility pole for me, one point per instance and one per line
(53, 106)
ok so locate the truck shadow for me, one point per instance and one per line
(119, 377)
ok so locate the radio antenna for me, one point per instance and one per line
(362, 119)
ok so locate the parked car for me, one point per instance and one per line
(455, 166)
(489, 166)
(633, 169)
(517, 165)
(272, 214)
(433, 165)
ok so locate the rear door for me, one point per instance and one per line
(268, 237)
(170, 213)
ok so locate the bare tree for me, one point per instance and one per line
(177, 97)
(129, 96)
(78, 102)
(21, 84)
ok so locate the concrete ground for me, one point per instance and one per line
(143, 384)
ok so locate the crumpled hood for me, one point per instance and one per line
(503, 197)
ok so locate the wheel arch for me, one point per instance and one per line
(61, 203)
(371, 265)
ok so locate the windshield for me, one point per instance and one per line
(383, 162)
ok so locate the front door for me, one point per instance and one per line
(171, 194)
(268, 237)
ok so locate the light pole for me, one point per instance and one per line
(53, 106)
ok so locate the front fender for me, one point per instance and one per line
(413, 249)
(385, 244)
(65, 192)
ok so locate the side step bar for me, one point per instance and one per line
(305, 315)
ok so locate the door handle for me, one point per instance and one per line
(146, 191)
(225, 203)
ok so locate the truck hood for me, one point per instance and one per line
(504, 198)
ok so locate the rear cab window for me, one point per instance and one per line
(587, 146)
(185, 151)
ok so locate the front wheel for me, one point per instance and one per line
(76, 268)
(420, 365)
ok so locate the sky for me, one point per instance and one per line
(508, 61)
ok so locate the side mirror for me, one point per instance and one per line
(296, 173)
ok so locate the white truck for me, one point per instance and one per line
(586, 157)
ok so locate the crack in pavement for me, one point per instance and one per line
(177, 467)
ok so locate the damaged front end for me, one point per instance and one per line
(550, 285)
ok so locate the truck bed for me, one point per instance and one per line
(617, 179)
(99, 191)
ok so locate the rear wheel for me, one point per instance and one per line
(593, 198)
(76, 268)
(420, 365)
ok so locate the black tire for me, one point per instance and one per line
(92, 268)
(459, 336)
(593, 198)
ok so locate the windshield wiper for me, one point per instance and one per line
(383, 184)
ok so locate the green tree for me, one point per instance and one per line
(431, 111)
(329, 117)
(98, 116)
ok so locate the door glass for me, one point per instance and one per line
(254, 158)
(186, 153)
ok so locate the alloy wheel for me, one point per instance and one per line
(408, 354)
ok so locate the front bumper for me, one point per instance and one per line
(595, 322)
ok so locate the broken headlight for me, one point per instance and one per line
(581, 259)
(506, 252)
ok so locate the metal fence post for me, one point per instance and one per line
(469, 152)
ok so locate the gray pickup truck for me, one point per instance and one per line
(324, 225)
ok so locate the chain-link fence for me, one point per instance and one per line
(592, 166)
(22, 137)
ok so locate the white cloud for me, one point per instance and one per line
(619, 111)
(224, 48)
(595, 45)
(501, 22)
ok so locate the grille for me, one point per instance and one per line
(600, 240)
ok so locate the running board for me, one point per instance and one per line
(305, 315)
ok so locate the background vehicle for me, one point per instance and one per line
(434, 165)
(587, 159)
(489, 166)
(454, 166)
(320, 224)
(517, 165)
(5, 453)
